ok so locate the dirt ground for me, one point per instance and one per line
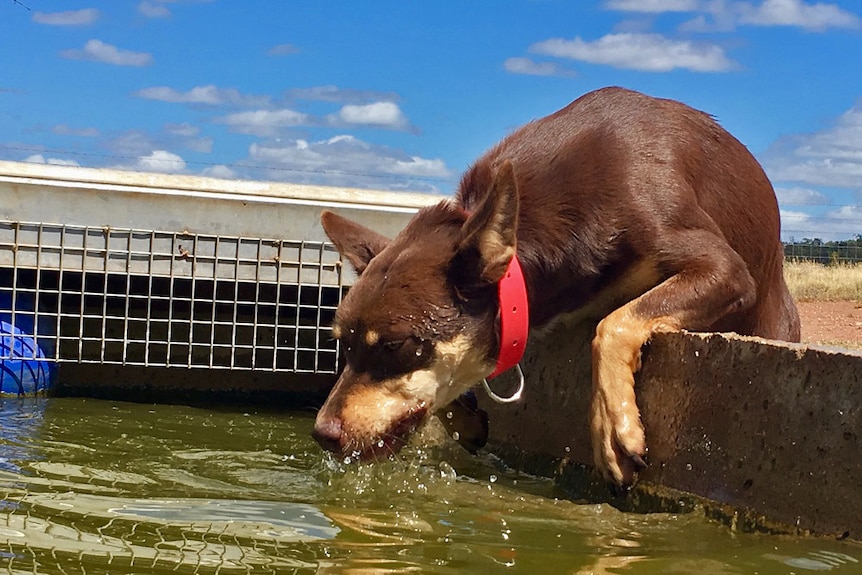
(832, 322)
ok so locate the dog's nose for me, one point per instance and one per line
(327, 432)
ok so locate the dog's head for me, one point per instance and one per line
(418, 327)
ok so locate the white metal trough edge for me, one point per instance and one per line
(170, 202)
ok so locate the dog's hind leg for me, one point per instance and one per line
(709, 281)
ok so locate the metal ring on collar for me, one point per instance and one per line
(515, 396)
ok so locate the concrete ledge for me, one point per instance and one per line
(766, 433)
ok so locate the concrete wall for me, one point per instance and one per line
(771, 432)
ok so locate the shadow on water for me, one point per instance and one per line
(89, 486)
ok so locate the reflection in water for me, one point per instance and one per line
(20, 420)
(100, 487)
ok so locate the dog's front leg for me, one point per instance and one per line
(618, 435)
(706, 289)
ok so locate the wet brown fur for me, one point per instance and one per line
(638, 211)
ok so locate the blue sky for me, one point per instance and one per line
(405, 95)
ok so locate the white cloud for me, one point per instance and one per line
(67, 18)
(822, 172)
(379, 114)
(830, 157)
(160, 161)
(66, 130)
(725, 15)
(345, 161)
(530, 67)
(339, 95)
(417, 166)
(209, 95)
(131, 143)
(715, 21)
(653, 6)
(645, 52)
(840, 224)
(157, 8)
(184, 135)
(219, 171)
(135, 143)
(265, 122)
(283, 50)
(185, 129)
(794, 224)
(798, 196)
(98, 51)
(153, 10)
(40, 159)
(819, 16)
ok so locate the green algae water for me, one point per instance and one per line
(89, 486)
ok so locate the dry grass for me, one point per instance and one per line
(810, 281)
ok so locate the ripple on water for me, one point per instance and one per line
(107, 487)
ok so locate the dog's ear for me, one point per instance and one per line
(491, 229)
(354, 242)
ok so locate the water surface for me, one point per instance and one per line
(90, 486)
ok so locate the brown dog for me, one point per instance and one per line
(641, 212)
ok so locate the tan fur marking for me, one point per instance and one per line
(615, 419)
(336, 331)
(458, 365)
(371, 337)
(493, 240)
(493, 247)
(369, 411)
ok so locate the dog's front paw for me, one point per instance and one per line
(619, 445)
(465, 422)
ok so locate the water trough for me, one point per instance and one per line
(765, 434)
(150, 283)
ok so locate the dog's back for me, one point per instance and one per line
(608, 187)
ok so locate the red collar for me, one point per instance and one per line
(514, 318)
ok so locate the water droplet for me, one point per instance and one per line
(688, 466)
(493, 478)
(449, 415)
(418, 351)
(380, 443)
(456, 436)
(447, 471)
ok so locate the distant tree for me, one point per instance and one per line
(831, 252)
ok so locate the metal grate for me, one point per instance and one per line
(168, 299)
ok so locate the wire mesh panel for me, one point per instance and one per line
(167, 299)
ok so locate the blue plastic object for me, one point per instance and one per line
(25, 369)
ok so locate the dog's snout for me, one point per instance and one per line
(327, 432)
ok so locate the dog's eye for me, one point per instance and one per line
(394, 344)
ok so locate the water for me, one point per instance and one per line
(95, 487)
